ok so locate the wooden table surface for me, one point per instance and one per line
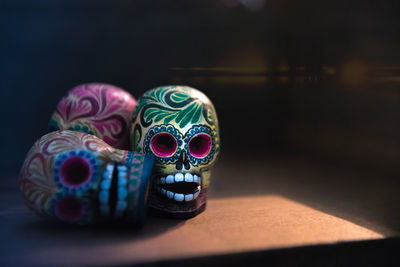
(255, 207)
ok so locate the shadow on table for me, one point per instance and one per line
(97, 233)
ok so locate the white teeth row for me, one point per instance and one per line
(179, 177)
(177, 196)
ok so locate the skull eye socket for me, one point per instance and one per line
(163, 144)
(200, 145)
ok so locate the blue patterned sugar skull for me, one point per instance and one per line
(179, 126)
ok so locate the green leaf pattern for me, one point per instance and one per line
(166, 113)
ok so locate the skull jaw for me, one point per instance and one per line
(160, 206)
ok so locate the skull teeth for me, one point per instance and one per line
(178, 178)
(168, 186)
(178, 196)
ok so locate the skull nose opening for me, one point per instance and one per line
(163, 144)
(183, 161)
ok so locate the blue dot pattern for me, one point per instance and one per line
(168, 128)
(195, 130)
(94, 165)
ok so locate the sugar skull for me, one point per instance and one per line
(103, 110)
(77, 178)
(179, 126)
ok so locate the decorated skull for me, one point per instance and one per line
(103, 110)
(75, 177)
(179, 126)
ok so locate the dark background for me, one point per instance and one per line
(307, 93)
(315, 80)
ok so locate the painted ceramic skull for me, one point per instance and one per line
(75, 177)
(179, 126)
(100, 109)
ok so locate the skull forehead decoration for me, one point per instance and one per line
(179, 126)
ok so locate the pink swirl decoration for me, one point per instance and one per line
(100, 109)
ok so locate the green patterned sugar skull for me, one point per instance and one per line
(179, 126)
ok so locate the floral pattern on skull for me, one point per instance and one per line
(99, 109)
(179, 126)
(74, 177)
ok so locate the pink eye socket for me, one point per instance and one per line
(200, 145)
(163, 144)
(75, 171)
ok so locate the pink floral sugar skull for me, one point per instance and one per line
(99, 109)
(77, 178)
(179, 126)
